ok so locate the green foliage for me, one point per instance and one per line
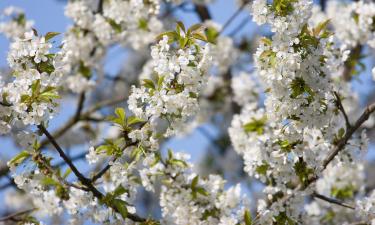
(175, 162)
(283, 7)
(270, 56)
(300, 88)
(19, 158)
(111, 200)
(195, 189)
(48, 94)
(50, 35)
(111, 147)
(262, 169)
(143, 24)
(247, 218)
(214, 213)
(21, 19)
(343, 193)
(287, 146)
(302, 171)
(124, 122)
(116, 27)
(283, 219)
(255, 125)
(340, 134)
(186, 38)
(84, 70)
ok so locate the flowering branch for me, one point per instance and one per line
(349, 132)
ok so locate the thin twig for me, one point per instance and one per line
(17, 214)
(62, 154)
(333, 200)
(80, 104)
(341, 108)
(235, 14)
(239, 27)
(203, 12)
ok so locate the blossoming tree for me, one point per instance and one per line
(291, 129)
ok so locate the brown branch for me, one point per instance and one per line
(14, 216)
(349, 132)
(81, 102)
(341, 108)
(72, 121)
(203, 12)
(333, 201)
(85, 181)
(340, 146)
(235, 14)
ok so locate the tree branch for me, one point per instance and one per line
(14, 216)
(349, 132)
(203, 12)
(333, 201)
(341, 108)
(235, 14)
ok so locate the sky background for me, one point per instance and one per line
(48, 15)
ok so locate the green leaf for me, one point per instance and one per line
(341, 133)
(195, 27)
(19, 158)
(172, 35)
(160, 82)
(143, 24)
(201, 191)
(35, 87)
(48, 181)
(50, 35)
(120, 113)
(183, 41)
(21, 19)
(262, 169)
(255, 125)
(120, 206)
(46, 67)
(247, 218)
(116, 27)
(300, 88)
(179, 163)
(84, 70)
(266, 41)
(148, 84)
(67, 172)
(283, 7)
(200, 36)
(320, 27)
(302, 171)
(343, 193)
(120, 190)
(194, 182)
(181, 25)
(212, 34)
(133, 120)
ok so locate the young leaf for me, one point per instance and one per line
(120, 112)
(120, 206)
(50, 35)
(247, 217)
(181, 25)
(19, 158)
(133, 120)
(148, 84)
